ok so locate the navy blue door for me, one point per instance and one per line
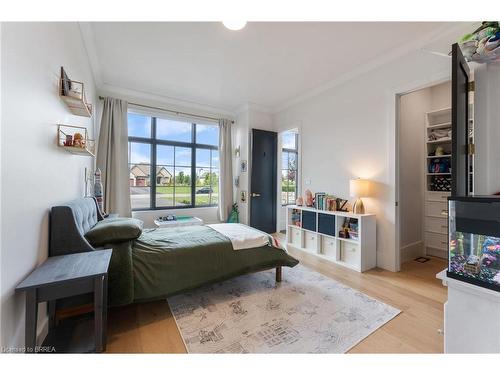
(263, 192)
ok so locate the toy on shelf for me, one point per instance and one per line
(75, 140)
(483, 44)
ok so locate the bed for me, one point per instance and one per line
(149, 264)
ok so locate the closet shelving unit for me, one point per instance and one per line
(436, 207)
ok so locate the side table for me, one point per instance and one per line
(66, 276)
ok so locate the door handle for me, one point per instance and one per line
(255, 195)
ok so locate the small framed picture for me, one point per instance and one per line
(243, 165)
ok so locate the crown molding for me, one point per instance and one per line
(416, 45)
(148, 98)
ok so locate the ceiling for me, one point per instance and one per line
(266, 64)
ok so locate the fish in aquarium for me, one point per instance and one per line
(476, 256)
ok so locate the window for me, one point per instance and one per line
(289, 161)
(172, 163)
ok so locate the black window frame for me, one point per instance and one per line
(153, 141)
(296, 152)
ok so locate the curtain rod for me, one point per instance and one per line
(171, 111)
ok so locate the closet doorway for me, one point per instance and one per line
(424, 149)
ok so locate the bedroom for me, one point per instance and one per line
(251, 177)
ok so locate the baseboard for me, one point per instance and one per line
(438, 253)
(411, 251)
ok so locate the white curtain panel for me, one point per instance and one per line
(226, 169)
(112, 157)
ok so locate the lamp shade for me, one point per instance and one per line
(359, 188)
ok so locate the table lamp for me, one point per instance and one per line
(359, 188)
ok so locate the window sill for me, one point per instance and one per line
(139, 210)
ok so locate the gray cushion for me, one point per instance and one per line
(85, 213)
(114, 230)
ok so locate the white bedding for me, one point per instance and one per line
(242, 236)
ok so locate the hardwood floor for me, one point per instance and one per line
(150, 327)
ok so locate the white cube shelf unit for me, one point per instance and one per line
(317, 232)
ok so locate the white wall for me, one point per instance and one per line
(241, 139)
(36, 174)
(349, 131)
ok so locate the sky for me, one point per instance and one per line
(140, 126)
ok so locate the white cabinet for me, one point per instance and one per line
(471, 323)
(357, 252)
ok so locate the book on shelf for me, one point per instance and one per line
(325, 202)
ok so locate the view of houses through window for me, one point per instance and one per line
(289, 161)
(172, 163)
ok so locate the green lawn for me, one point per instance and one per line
(183, 196)
(181, 189)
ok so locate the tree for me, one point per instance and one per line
(180, 178)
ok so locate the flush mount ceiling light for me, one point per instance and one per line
(234, 24)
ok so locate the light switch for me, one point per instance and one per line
(307, 181)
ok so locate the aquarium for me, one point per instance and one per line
(474, 240)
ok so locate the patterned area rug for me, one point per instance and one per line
(305, 313)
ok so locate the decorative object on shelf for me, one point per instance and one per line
(237, 152)
(237, 181)
(340, 204)
(234, 216)
(243, 196)
(74, 139)
(89, 179)
(78, 140)
(439, 151)
(243, 166)
(309, 198)
(168, 218)
(483, 44)
(440, 183)
(69, 140)
(359, 188)
(73, 94)
(299, 201)
(439, 165)
(98, 190)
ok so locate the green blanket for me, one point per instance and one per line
(166, 261)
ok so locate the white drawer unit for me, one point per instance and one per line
(295, 236)
(329, 247)
(311, 241)
(437, 196)
(359, 252)
(436, 240)
(436, 209)
(349, 253)
(436, 224)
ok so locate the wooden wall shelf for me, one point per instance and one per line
(88, 145)
(73, 94)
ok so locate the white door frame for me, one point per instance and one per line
(394, 97)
